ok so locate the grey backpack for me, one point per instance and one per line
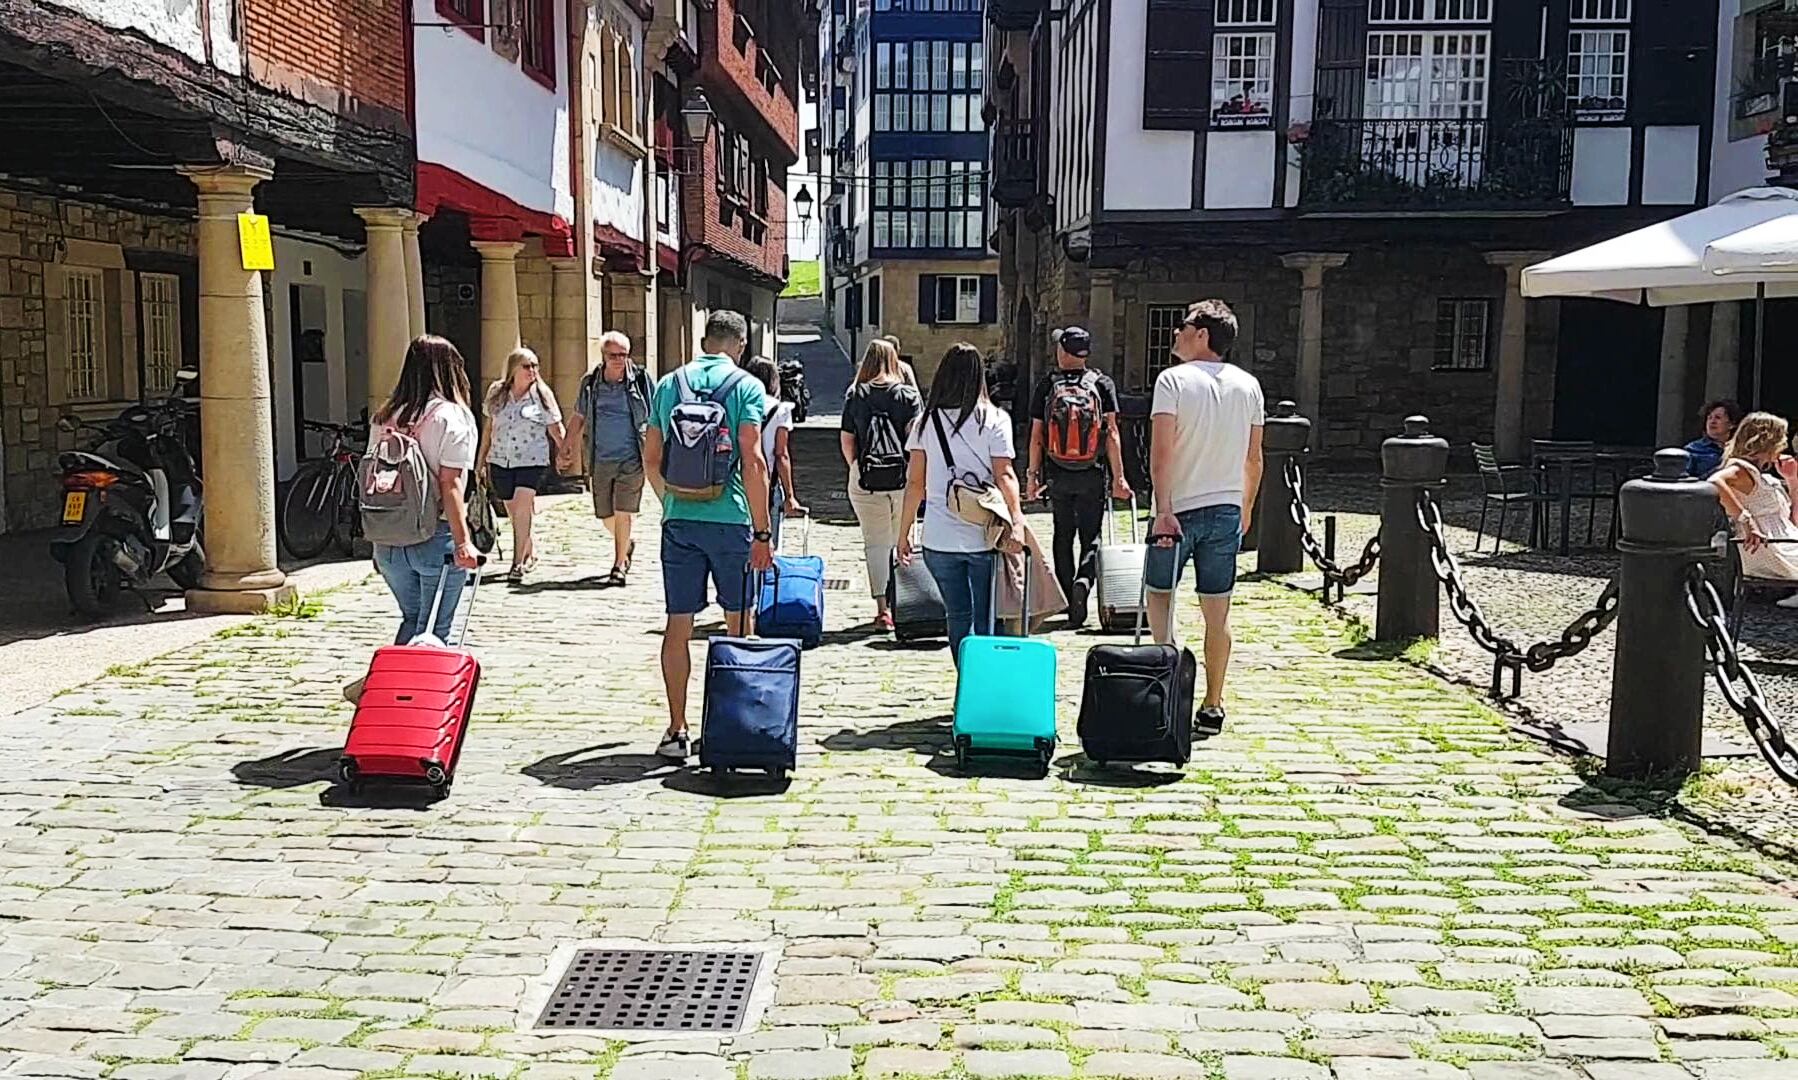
(699, 453)
(398, 489)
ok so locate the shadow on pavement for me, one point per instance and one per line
(1079, 769)
(289, 768)
(375, 795)
(579, 770)
(592, 582)
(1660, 797)
(929, 735)
(736, 785)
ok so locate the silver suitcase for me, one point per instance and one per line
(1119, 576)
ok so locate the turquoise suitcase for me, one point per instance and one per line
(1005, 695)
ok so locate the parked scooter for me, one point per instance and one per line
(131, 505)
(793, 387)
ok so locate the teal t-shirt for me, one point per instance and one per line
(743, 406)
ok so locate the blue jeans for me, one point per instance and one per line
(965, 578)
(1210, 536)
(412, 573)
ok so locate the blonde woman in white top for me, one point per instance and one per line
(1758, 503)
(523, 421)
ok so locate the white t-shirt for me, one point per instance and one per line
(777, 415)
(986, 435)
(1214, 404)
(446, 436)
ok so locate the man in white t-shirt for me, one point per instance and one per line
(1205, 461)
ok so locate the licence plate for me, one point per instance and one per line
(74, 507)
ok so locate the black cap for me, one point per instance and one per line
(1075, 340)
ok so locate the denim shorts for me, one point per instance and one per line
(695, 550)
(1210, 536)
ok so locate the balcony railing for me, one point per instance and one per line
(1013, 14)
(1014, 163)
(1437, 166)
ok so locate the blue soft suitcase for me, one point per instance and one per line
(790, 603)
(1005, 695)
(751, 711)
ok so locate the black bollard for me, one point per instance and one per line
(1409, 463)
(1285, 438)
(1657, 678)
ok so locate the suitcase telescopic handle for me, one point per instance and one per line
(449, 563)
(752, 590)
(1142, 596)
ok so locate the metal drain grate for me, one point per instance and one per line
(836, 584)
(653, 990)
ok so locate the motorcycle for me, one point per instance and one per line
(132, 504)
(793, 387)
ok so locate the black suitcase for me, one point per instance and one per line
(915, 601)
(1137, 700)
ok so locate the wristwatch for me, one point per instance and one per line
(762, 536)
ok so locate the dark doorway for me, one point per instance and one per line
(1779, 382)
(1606, 372)
(311, 378)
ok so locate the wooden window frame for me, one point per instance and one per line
(473, 23)
(537, 24)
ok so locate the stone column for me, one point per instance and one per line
(1311, 266)
(1670, 398)
(499, 305)
(237, 441)
(1101, 310)
(1722, 362)
(1513, 340)
(568, 330)
(415, 272)
(389, 315)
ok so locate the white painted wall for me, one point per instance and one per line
(1669, 165)
(1304, 89)
(617, 190)
(1601, 157)
(333, 273)
(802, 239)
(1144, 170)
(488, 120)
(1239, 170)
(175, 23)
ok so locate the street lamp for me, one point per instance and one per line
(803, 203)
(696, 114)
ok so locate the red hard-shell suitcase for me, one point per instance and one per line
(414, 711)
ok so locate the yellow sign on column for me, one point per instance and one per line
(254, 242)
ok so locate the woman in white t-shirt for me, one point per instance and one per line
(777, 430)
(524, 425)
(432, 401)
(962, 435)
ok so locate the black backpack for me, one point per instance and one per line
(880, 450)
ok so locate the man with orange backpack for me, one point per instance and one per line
(1073, 417)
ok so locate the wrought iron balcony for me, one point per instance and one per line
(1014, 14)
(1014, 163)
(1381, 166)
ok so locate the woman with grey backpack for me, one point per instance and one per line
(421, 448)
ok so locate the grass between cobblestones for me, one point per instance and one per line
(1365, 875)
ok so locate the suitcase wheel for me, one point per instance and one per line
(1045, 757)
(778, 772)
(962, 744)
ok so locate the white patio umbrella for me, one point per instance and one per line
(1665, 264)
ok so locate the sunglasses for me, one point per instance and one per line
(531, 366)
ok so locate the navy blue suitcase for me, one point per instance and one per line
(751, 712)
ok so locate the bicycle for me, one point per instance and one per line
(320, 505)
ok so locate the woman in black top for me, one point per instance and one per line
(877, 414)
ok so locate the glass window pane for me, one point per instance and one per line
(883, 107)
(939, 184)
(920, 112)
(901, 65)
(976, 65)
(959, 60)
(919, 229)
(901, 114)
(958, 112)
(920, 65)
(883, 66)
(882, 221)
(939, 226)
(958, 231)
(939, 112)
(901, 233)
(976, 229)
(939, 65)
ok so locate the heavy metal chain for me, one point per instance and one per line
(1507, 656)
(1301, 516)
(1734, 680)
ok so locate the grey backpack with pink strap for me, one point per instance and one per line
(397, 488)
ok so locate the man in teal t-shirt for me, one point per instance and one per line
(721, 538)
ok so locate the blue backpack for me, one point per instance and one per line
(700, 448)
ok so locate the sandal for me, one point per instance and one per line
(515, 575)
(616, 579)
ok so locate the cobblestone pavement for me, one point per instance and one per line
(1533, 595)
(1363, 879)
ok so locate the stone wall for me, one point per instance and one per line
(1379, 329)
(34, 231)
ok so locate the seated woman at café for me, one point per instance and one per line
(1705, 453)
(1755, 487)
